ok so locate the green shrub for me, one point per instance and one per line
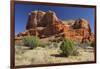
(68, 48)
(31, 41)
(92, 44)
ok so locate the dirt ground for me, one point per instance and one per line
(40, 55)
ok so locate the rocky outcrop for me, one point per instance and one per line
(46, 24)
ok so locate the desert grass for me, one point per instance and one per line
(49, 55)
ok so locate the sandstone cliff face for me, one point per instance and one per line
(45, 24)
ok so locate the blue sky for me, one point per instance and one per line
(62, 12)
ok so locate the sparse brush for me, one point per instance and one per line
(92, 44)
(31, 41)
(68, 48)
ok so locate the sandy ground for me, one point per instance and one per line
(25, 56)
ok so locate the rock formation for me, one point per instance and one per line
(46, 24)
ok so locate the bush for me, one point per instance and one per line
(92, 44)
(68, 48)
(31, 41)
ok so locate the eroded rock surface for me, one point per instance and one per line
(46, 24)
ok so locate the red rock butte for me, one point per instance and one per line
(46, 24)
